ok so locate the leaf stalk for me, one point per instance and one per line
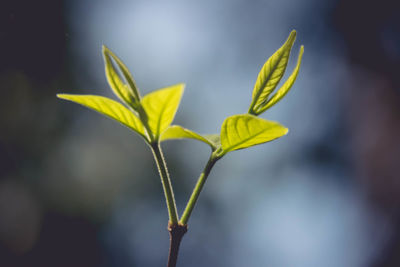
(197, 189)
(166, 183)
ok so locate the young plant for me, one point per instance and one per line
(151, 117)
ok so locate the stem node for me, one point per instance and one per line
(176, 233)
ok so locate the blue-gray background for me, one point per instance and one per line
(77, 189)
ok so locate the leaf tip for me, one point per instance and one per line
(107, 53)
(61, 96)
(181, 87)
(68, 97)
(301, 51)
(286, 131)
(104, 49)
(292, 37)
(300, 56)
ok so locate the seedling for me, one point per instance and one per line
(151, 117)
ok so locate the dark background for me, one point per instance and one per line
(79, 190)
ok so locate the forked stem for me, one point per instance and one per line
(178, 230)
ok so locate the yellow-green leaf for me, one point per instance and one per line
(108, 108)
(128, 91)
(241, 131)
(178, 132)
(161, 106)
(270, 75)
(286, 86)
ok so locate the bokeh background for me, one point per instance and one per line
(77, 189)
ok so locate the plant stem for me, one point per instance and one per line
(176, 232)
(166, 182)
(196, 191)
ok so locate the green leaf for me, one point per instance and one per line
(128, 91)
(109, 108)
(270, 75)
(178, 132)
(286, 86)
(161, 106)
(241, 131)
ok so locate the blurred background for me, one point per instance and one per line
(77, 189)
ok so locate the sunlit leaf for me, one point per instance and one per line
(178, 132)
(286, 86)
(161, 106)
(241, 131)
(270, 75)
(109, 108)
(126, 91)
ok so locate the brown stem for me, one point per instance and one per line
(176, 232)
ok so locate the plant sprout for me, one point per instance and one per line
(151, 116)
